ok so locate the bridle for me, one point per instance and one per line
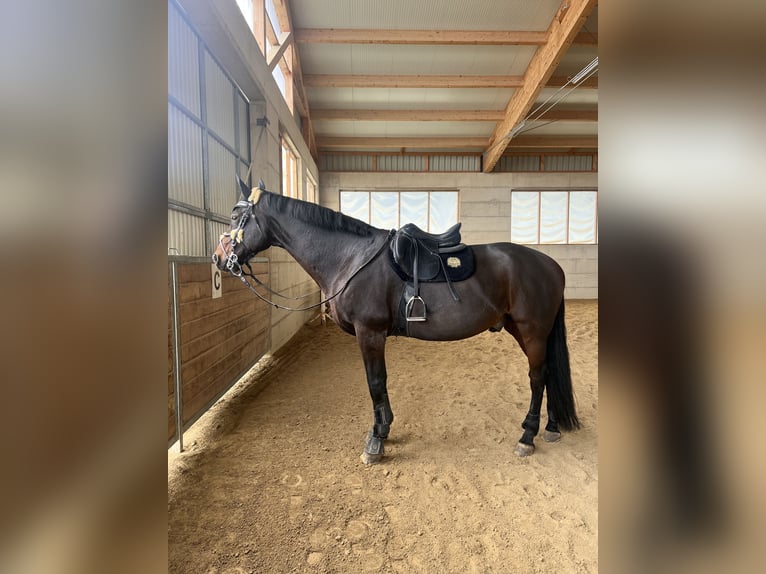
(234, 267)
(235, 236)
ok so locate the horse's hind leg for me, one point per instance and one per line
(534, 348)
(552, 432)
(373, 344)
(531, 425)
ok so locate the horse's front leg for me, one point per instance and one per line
(373, 347)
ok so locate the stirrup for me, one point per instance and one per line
(410, 307)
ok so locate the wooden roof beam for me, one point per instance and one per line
(420, 81)
(565, 25)
(398, 143)
(409, 81)
(431, 37)
(581, 115)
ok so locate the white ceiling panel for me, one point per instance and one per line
(401, 59)
(580, 96)
(410, 98)
(425, 14)
(561, 129)
(402, 129)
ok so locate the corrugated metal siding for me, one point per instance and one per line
(519, 163)
(223, 190)
(568, 163)
(183, 62)
(184, 159)
(401, 163)
(219, 100)
(217, 228)
(243, 168)
(346, 162)
(244, 126)
(186, 234)
(453, 163)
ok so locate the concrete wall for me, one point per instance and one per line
(484, 209)
(224, 30)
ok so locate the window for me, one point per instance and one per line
(433, 211)
(311, 189)
(208, 123)
(271, 28)
(554, 217)
(290, 179)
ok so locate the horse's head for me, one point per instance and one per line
(246, 236)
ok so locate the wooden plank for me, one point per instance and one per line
(220, 352)
(409, 81)
(420, 37)
(220, 370)
(429, 81)
(277, 51)
(565, 25)
(200, 335)
(589, 115)
(402, 142)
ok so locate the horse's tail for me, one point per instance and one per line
(558, 378)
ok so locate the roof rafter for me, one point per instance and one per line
(523, 142)
(421, 81)
(430, 115)
(433, 37)
(565, 25)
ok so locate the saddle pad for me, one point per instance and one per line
(460, 265)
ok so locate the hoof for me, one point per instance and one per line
(549, 436)
(524, 449)
(370, 458)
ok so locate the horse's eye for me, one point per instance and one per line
(233, 216)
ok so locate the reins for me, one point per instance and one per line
(233, 264)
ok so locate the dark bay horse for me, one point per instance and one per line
(513, 288)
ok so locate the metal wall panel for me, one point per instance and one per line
(183, 63)
(186, 234)
(346, 162)
(519, 163)
(219, 101)
(243, 118)
(401, 163)
(223, 184)
(453, 163)
(184, 159)
(568, 163)
(217, 228)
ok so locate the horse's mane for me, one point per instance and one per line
(314, 214)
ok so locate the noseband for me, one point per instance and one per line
(236, 235)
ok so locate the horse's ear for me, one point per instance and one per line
(261, 185)
(243, 189)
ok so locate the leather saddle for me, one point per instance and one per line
(419, 256)
(416, 252)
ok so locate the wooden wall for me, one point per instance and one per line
(219, 338)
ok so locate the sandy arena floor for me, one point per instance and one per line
(272, 481)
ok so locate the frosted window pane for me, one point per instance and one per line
(414, 208)
(355, 204)
(524, 216)
(443, 213)
(553, 217)
(582, 217)
(385, 209)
